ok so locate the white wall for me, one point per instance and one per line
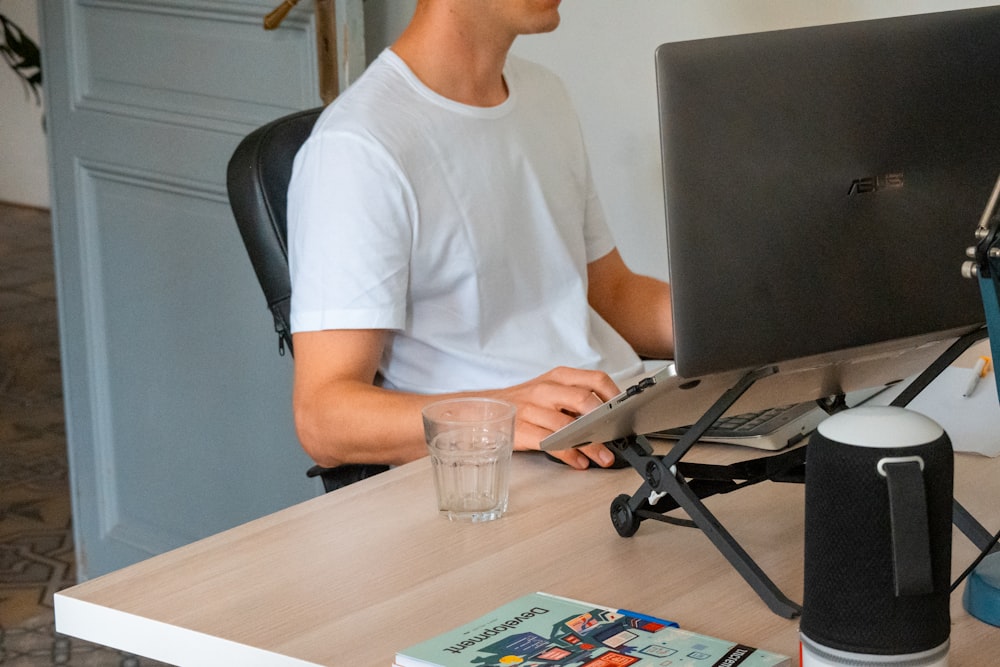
(384, 20)
(24, 176)
(604, 52)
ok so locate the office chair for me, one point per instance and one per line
(257, 181)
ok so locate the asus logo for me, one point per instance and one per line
(861, 186)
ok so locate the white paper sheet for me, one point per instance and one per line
(972, 423)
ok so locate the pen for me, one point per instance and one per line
(979, 371)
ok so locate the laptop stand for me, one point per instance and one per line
(670, 483)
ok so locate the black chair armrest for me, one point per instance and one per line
(341, 476)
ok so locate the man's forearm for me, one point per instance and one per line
(353, 422)
(647, 322)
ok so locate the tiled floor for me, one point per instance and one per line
(36, 544)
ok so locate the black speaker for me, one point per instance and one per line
(877, 540)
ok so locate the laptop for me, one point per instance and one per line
(821, 186)
(771, 429)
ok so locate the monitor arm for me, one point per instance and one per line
(984, 265)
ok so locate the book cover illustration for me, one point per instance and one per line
(541, 630)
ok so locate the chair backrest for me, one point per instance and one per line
(257, 180)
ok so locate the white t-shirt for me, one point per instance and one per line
(466, 231)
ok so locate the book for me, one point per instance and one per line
(551, 631)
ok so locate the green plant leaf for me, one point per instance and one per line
(21, 53)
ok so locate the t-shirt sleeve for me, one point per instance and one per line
(349, 235)
(597, 235)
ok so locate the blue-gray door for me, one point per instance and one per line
(177, 403)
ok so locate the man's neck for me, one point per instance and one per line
(457, 57)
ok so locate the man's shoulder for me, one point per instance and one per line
(371, 108)
(379, 85)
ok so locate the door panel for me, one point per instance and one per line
(201, 67)
(178, 405)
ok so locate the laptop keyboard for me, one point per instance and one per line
(773, 428)
(751, 422)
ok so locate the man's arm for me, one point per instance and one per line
(637, 306)
(341, 417)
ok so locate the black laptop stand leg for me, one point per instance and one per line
(712, 415)
(681, 492)
(971, 527)
(946, 359)
(665, 489)
(961, 517)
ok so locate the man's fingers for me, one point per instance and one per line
(594, 381)
(571, 400)
(573, 458)
(581, 457)
(528, 436)
(552, 401)
(598, 453)
(548, 419)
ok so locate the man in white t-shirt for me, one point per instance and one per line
(445, 238)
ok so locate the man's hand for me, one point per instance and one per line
(342, 418)
(553, 400)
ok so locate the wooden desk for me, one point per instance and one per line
(350, 577)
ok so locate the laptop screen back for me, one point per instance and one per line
(822, 184)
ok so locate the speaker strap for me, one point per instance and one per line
(911, 548)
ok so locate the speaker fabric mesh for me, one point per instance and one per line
(849, 600)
